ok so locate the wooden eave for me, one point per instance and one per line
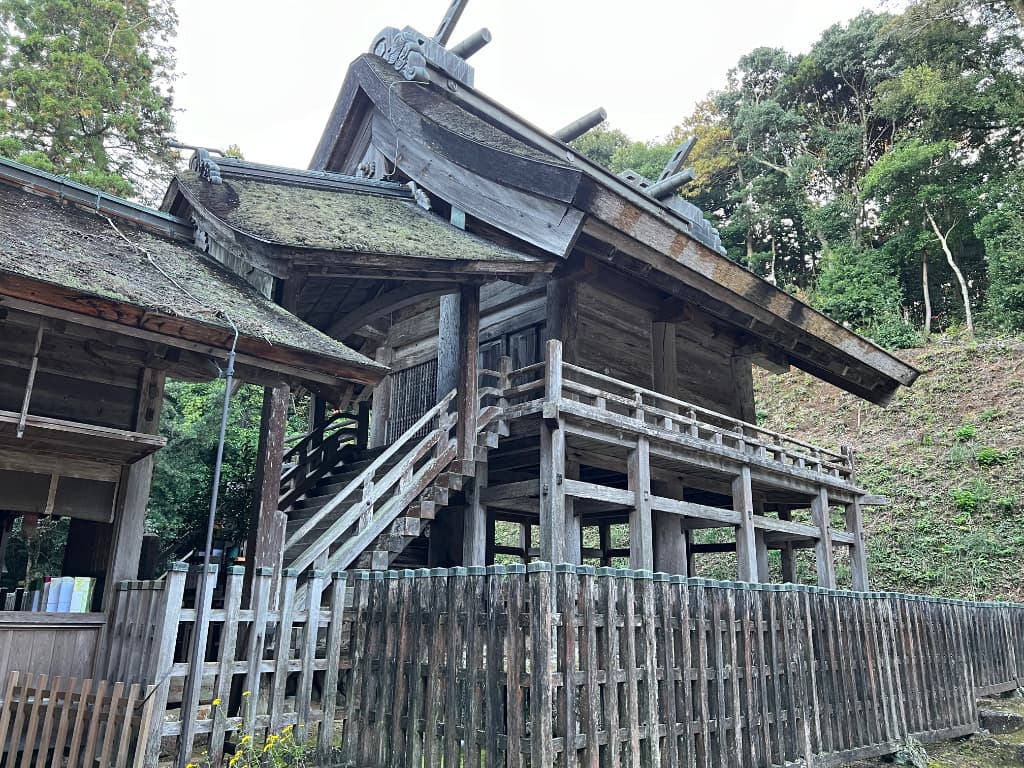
(638, 228)
(60, 302)
(63, 438)
(280, 260)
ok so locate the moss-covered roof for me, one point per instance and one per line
(43, 240)
(303, 216)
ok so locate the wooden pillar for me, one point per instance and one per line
(552, 490)
(130, 514)
(823, 550)
(641, 538)
(743, 388)
(786, 551)
(746, 548)
(467, 379)
(573, 521)
(448, 344)
(265, 547)
(858, 557)
(474, 535)
(380, 411)
(761, 547)
(669, 539)
(561, 315)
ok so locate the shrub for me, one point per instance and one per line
(964, 433)
(992, 457)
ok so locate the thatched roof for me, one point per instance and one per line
(130, 275)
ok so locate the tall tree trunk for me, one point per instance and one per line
(943, 240)
(927, 295)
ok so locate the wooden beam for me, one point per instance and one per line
(33, 367)
(743, 505)
(390, 301)
(449, 314)
(573, 520)
(641, 535)
(786, 551)
(823, 549)
(381, 404)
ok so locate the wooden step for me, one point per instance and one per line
(488, 439)
(423, 510)
(450, 480)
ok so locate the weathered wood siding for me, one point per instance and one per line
(58, 645)
(613, 335)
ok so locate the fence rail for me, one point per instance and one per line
(568, 667)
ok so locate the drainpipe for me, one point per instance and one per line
(196, 662)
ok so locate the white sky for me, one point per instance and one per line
(264, 74)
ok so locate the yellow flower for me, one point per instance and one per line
(247, 693)
(216, 703)
(191, 765)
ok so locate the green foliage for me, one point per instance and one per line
(991, 457)
(969, 498)
(855, 287)
(86, 86)
(183, 476)
(1001, 230)
(965, 432)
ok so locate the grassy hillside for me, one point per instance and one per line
(949, 452)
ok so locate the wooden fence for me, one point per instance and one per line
(74, 723)
(566, 667)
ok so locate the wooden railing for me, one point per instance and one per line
(572, 666)
(315, 455)
(607, 395)
(384, 490)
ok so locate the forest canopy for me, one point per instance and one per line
(878, 175)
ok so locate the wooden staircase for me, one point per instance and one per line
(365, 507)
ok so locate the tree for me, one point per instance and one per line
(85, 87)
(926, 186)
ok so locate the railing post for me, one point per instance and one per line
(504, 381)
(746, 544)
(166, 634)
(823, 550)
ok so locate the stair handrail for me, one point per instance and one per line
(300, 475)
(368, 474)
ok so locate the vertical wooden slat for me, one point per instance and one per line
(332, 658)
(37, 693)
(610, 592)
(387, 706)
(60, 740)
(422, 630)
(225, 669)
(89, 753)
(54, 706)
(685, 709)
(649, 651)
(566, 590)
(666, 598)
(456, 632)
(497, 629)
(735, 734)
(370, 714)
(701, 610)
(541, 594)
(110, 721)
(629, 663)
(127, 729)
(517, 654)
(474, 723)
(350, 734)
(406, 669)
(310, 634)
(197, 650)
(257, 637)
(79, 726)
(145, 728)
(590, 698)
(433, 749)
(282, 648)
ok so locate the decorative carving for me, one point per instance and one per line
(367, 170)
(205, 166)
(403, 50)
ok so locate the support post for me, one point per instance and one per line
(363, 424)
(552, 490)
(265, 546)
(670, 554)
(381, 409)
(823, 550)
(858, 557)
(448, 330)
(573, 521)
(641, 538)
(474, 537)
(743, 503)
(786, 552)
(130, 518)
(468, 380)
(761, 548)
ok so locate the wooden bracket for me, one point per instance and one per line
(31, 380)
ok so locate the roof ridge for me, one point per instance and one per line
(230, 166)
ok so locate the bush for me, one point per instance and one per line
(964, 433)
(991, 457)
